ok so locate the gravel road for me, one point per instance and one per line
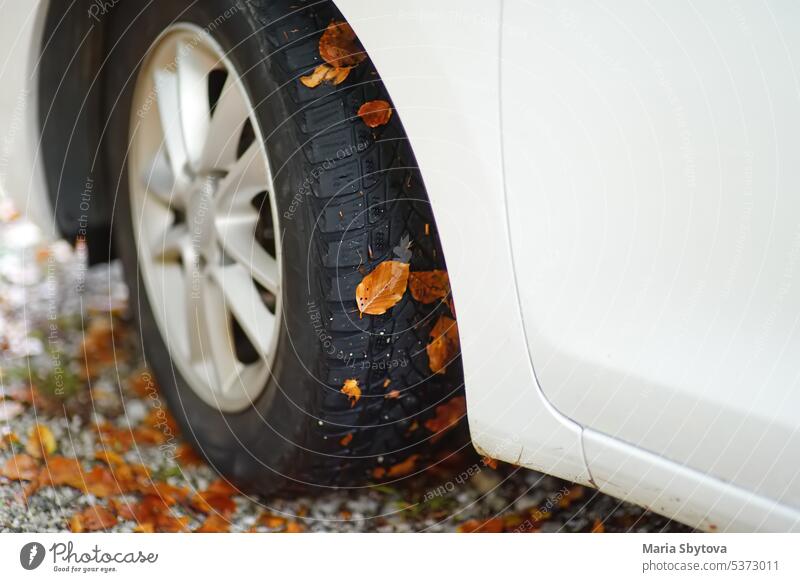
(70, 362)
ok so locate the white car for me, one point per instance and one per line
(614, 185)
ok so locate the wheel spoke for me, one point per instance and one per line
(227, 121)
(158, 179)
(237, 238)
(169, 111)
(246, 178)
(193, 65)
(213, 328)
(252, 374)
(155, 222)
(244, 301)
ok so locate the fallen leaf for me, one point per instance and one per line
(93, 518)
(325, 74)
(598, 527)
(339, 46)
(382, 288)
(20, 468)
(214, 524)
(100, 482)
(110, 458)
(143, 383)
(429, 286)
(489, 462)
(447, 416)
(444, 344)
(41, 441)
(398, 470)
(100, 346)
(494, 525)
(392, 395)
(375, 113)
(271, 521)
(169, 494)
(187, 456)
(346, 439)
(294, 527)
(351, 390)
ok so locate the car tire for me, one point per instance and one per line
(347, 197)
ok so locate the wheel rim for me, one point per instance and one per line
(198, 178)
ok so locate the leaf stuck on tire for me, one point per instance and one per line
(325, 74)
(351, 390)
(444, 344)
(382, 288)
(429, 286)
(339, 46)
(375, 113)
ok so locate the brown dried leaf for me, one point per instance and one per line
(325, 74)
(444, 345)
(598, 527)
(382, 288)
(339, 46)
(41, 442)
(398, 470)
(351, 390)
(494, 525)
(93, 518)
(429, 286)
(375, 113)
(20, 468)
(214, 524)
(447, 416)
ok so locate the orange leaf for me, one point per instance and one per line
(375, 113)
(398, 470)
(325, 73)
(93, 518)
(392, 395)
(382, 288)
(187, 456)
(271, 521)
(346, 439)
(214, 524)
(20, 467)
(447, 416)
(294, 527)
(598, 527)
(41, 442)
(339, 46)
(351, 390)
(428, 286)
(444, 345)
(100, 482)
(110, 458)
(62, 471)
(489, 462)
(494, 525)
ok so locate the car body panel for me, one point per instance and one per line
(652, 178)
(21, 172)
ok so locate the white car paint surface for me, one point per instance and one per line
(616, 189)
(651, 157)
